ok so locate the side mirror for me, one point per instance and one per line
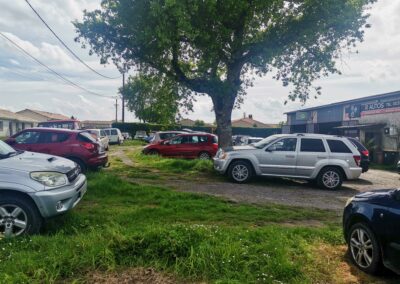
(11, 141)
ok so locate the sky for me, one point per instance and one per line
(375, 69)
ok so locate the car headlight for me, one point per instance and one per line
(50, 179)
(349, 201)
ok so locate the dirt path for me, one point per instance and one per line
(274, 190)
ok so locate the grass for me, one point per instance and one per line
(383, 167)
(194, 237)
(133, 142)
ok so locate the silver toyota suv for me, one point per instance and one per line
(324, 158)
(34, 187)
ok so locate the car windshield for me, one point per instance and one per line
(6, 150)
(261, 144)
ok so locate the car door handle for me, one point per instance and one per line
(290, 156)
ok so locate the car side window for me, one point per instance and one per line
(284, 145)
(193, 139)
(337, 146)
(312, 145)
(28, 137)
(114, 132)
(179, 140)
(102, 133)
(52, 137)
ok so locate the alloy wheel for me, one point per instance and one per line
(13, 220)
(361, 247)
(240, 173)
(331, 179)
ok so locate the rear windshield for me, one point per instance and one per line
(360, 147)
(86, 137)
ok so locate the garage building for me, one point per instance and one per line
(374, 120)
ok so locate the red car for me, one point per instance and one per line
(78, 146)
(191, 145)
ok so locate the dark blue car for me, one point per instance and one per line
(371, 223)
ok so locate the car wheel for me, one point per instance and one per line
(240, 171)
(364, 248)
(18, 216)
(204, 156)
(80, 164)
(330, 178)
(153, 152)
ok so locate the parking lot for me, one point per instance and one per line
(281, 191)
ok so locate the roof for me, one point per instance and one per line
(50, 115)
(368, 98)
(6, 114)
(249, 122)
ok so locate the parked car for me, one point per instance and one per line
(363, 152)
(126, 136)
(34, 187)
(76, 145)
(163, 135)
(115, 135)
(140, 134)
(149, 138)
(326, 159)
(72, 124)
(101, 136)
(193, 145)
(237, 139)
(372, 231)
(251, 140)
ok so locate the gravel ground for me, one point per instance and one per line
(293, 192)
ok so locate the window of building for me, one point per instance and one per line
(337, 146)
(312, 145)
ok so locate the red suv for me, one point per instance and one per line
(191, 145)
(78, 146)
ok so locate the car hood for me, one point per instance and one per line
(240, 148)
(374, 196)
(30, 162)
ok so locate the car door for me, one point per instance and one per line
(310, 152)
(391, 220)
(52, 143)
(173, 147)
(279, 158)
(27, 140)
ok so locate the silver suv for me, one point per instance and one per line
(34, 187)
(324, 158)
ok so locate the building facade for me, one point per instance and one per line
(375, 120)
(42, 116)
(11, 123)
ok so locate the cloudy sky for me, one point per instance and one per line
(25, 84)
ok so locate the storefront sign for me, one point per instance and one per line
(371, 108)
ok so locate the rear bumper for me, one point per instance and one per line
(98, 161)
(60, 200)
(354, 173)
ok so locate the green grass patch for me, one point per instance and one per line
(133, 143)
(391, 168)
(196, 238)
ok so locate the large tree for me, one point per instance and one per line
(156, 98)
(217, 47)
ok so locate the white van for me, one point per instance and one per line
(115, 135)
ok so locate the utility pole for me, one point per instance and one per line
(123, 95)
(116, 110)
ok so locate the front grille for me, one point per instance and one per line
(73, 174)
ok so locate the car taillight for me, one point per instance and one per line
(357, 159)
(365, 153)
(89, 146)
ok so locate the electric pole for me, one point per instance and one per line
(116, 110)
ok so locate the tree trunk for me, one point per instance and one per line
(223, 106)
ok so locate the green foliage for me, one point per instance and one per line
(155, 99)
(217, 47)
(199, 122)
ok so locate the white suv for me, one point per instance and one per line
(324, 158)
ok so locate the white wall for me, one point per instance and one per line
(4, 131)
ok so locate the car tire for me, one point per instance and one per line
(80, 164)
(153, 152)
(240, 171)
(364, 249)
(204, 156)
(330, 178)
(27, 219)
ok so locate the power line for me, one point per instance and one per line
(65, 45)
(51, 70)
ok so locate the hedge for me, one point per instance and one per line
(132, 127)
